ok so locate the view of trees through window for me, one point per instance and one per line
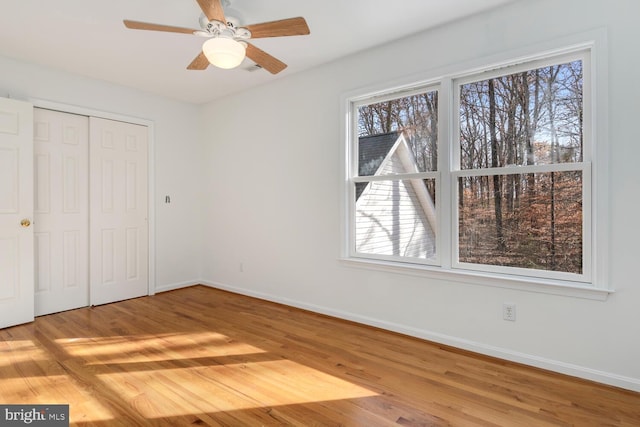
(518, 173)
(415, 117)
(530, 220)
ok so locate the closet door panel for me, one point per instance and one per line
(119, 212)
(61, 225)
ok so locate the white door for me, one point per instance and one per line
(61, 211)
(119, 232)
(16, 212)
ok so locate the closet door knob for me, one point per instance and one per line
(25, 223)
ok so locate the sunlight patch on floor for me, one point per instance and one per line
(45, 383)
(143, 348)
(55, 389)
(19, 351)
(165, 393)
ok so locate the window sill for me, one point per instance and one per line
(553, 287)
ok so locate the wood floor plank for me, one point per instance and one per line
(200, 356)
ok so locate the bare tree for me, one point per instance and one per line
(497, 187)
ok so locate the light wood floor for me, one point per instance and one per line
(200, 356)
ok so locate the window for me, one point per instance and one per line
(521, 170)
(394, 191)
(496, 179)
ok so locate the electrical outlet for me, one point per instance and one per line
(241, 267)
(509, 311)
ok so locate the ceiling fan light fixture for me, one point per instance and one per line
(224, 52)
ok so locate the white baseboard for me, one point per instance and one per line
(502, 353)
(174, 286)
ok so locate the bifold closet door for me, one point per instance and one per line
(16, 211)
(61, 211)
(118, 230)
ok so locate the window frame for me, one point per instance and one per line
(593, 285)
(356, 178)
(456, 171)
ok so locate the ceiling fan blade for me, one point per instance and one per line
(263, 59)
(212, 10)
(284, 27)
(137, 25)
(199, 63)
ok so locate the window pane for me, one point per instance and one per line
(532, 221)
(528, 118)
(397, 218)
(410, 121)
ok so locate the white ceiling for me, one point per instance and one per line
(87, 37)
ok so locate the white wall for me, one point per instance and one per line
(177, 160)
(273, 201)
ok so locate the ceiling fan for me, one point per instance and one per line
(227, 43)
